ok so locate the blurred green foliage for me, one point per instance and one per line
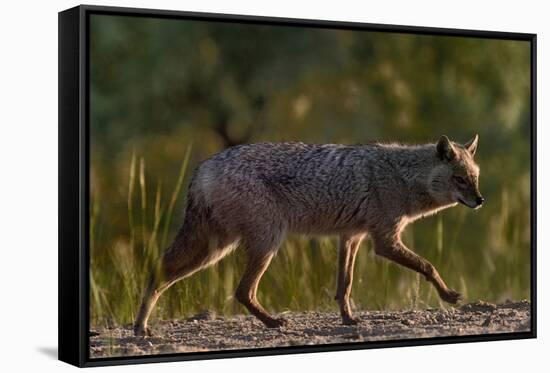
(160, 87)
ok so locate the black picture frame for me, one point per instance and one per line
(74, 103)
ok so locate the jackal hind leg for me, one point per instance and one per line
(349, 245)
(150, 297)
(176, 264)
(259, 255)
(396, 251)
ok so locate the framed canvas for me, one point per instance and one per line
(236, 186)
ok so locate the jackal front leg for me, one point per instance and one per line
(396, 251)
(346, 261)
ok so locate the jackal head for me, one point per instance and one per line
(455, 177)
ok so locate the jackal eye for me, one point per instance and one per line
(459, 180)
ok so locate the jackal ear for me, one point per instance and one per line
(445, 149)
(471, 145)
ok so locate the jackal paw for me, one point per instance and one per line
(142, 332)
(348, 320)
(452, 297)
(275, 323)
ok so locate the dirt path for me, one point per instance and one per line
(209, 332)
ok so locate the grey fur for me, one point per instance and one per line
(255, 194)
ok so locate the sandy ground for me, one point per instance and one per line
(207, 332)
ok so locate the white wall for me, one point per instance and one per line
(28, 182)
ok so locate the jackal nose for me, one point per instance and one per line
(480, 200)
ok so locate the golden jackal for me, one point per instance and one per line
(253, 195)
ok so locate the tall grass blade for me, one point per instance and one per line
(175, 195)
(143, 192)
(439, 233)
(131, 183)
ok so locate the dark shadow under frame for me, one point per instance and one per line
(73, 102)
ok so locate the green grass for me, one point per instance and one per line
(484, 255)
